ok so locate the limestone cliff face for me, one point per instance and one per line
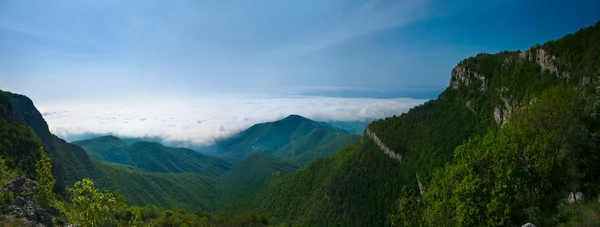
(463, 76)
(468, 74)
(544, 59)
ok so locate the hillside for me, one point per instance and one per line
(71, 163)
(293, 138)
(360, 185)
(248, 178)
(152, 157)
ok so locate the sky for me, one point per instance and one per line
(240, 62)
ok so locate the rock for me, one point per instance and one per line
(19, 187)
(528, 225)
(546, 61)
(543, 58)
(18, 201)
(30, 211)
(421, 188)
(24, 205)
(586, 80)
(571, 198)
(498, 115)
(526, 55)
(464, 76)
(576, 198)
(579, 197)
(43, 216)
(12, 209)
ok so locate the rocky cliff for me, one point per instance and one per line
(22, 208)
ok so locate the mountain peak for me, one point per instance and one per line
(295, 117)
(105, 139)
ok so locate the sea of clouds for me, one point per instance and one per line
(202, 121)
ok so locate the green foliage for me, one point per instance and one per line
(20, 148)
(6, 197)
(152, 157)
(479, 189)
(519, 173)
(295, 138)
(6, 174)
(45, 186)
(248, 178)
(90, 207)
(574, 215)
(353, 188)
(190, 191)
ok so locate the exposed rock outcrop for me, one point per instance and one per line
(389, 152)
(463, 76)
(528, 225)
(23, 205)
(576, 198)
(499, 115)
(421, 188)
(544, 59)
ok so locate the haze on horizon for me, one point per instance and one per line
(196, 71)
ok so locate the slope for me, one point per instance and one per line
(71, 163)
(295, 138)
(359, 185)
(249, 177)
(152, 157)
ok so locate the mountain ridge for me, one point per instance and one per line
(426, 137)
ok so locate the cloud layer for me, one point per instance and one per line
(202, 121)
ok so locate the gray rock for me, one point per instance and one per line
(13, 210)
(19, 187)
(18, 201)
(576, 198)
(465, 76)
(571, 198)
(24, 205)
(43, 216)
(546, 61)
(528, 225)
(30, 212)
(579, 197)
(498, 115)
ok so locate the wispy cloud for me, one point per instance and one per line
(372, 16)
(202, 121)
(9, 24)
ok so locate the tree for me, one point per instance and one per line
(43, 170)
(91, 207)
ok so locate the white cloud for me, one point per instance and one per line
(202, 121)
(372, 16)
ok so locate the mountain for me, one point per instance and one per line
(354, 127)
(379, 179)
(249, 177)
(24, 131)
(152, 157)
(294, 138)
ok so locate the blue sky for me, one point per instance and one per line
(73, 51)
(92, 48)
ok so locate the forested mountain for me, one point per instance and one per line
(152, 157)
(248, 178)
(487, 93)
(514, 139)
(293, 138)
(71, 163)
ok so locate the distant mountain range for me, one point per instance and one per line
(515, 138)
(294, 138)
(152, 157)
(149, 172)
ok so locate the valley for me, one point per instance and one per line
(505, 144)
